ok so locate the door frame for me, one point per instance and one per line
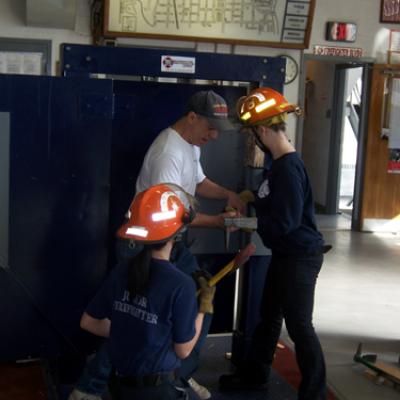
(341, 64)
(356, 222)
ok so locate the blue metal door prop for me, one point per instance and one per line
(76, 145)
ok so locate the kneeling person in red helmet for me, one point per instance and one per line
(147, 307)
(286, 224)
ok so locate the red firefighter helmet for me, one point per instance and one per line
(264, 105)
(158, 214)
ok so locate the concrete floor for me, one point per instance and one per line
(358, 300)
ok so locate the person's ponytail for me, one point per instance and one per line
(139, 273)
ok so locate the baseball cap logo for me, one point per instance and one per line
(212, 106)
(220, 110)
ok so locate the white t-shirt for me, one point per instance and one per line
(171, 159)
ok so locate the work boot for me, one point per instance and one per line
(243, 380)
(78, 395)
(202, 392)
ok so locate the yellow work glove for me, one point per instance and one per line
(206, 296)
(246, 196)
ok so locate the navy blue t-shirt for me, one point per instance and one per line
(144, 329)
(285, 209)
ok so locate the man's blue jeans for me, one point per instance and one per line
(95, 376)
(97, 371)
(182, 257)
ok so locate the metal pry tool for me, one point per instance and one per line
(245, 223)
(242, 223)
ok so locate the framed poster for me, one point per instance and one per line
(273, 23)
(390, 11)
(25, 56)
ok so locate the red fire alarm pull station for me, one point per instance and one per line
(341, 32)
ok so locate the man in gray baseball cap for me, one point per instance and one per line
(174, 157)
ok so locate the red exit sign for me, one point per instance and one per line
(341, 32)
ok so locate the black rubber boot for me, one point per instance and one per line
(243, 380)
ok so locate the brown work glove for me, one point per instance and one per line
(206, 296)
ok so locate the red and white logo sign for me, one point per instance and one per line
(354, 52)
(185, 65)
(168, 62)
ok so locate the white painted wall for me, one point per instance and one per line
(372, 36)
(13, 25)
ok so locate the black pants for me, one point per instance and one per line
(289, 294)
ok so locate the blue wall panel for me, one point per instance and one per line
(58, 210)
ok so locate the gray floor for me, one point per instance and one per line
(358, 300)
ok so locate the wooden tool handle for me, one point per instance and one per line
(241, 257)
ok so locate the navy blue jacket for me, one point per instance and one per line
(143, 329)
(286, 218)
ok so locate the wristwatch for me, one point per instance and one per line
(292, 68)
